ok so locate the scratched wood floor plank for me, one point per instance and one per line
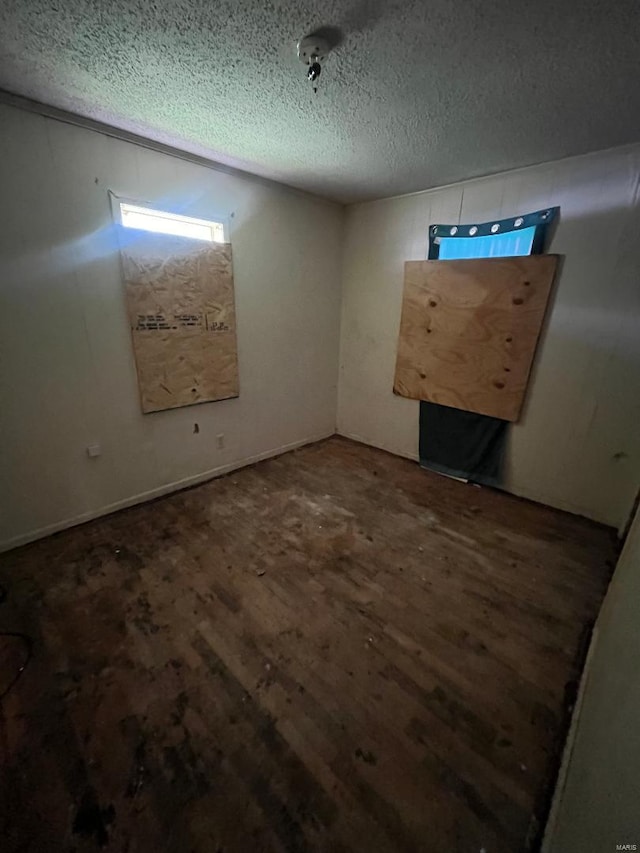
(331, 650)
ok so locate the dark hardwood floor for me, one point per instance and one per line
(328, 651)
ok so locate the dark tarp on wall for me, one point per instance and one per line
(461, 444)
(451, 441)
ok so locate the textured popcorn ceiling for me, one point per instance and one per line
(420, 93)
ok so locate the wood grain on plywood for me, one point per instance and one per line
(181, 306)
(469, 330)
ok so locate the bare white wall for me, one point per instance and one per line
(67, 375)
(577, 446)
(597, 805)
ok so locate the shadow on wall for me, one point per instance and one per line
(584, 424)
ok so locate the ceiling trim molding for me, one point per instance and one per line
(539, 164)
(46, 111)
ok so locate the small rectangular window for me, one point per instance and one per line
(505, 245)
(163, 222)
(522, 235)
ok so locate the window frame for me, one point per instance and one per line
(216, 220)
(541, 220)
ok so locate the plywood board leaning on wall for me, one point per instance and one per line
(469, 330)
(181, 307)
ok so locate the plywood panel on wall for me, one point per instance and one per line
(469, 330)
(181, 306)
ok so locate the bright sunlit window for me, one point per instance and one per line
(504, 245)
(147, 219)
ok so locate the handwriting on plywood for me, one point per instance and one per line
(181, 306)
(469, 330)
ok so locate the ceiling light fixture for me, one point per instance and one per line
(312, 50)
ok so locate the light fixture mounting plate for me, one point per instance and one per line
(312, 49)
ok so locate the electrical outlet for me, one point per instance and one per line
(220, 441)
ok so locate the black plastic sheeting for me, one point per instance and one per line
(462, 444)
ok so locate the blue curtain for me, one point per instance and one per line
(493, 246)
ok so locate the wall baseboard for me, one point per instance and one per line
(507, 488)
(555, 503)
(355, 437)
(168, 488)
(212, 473)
